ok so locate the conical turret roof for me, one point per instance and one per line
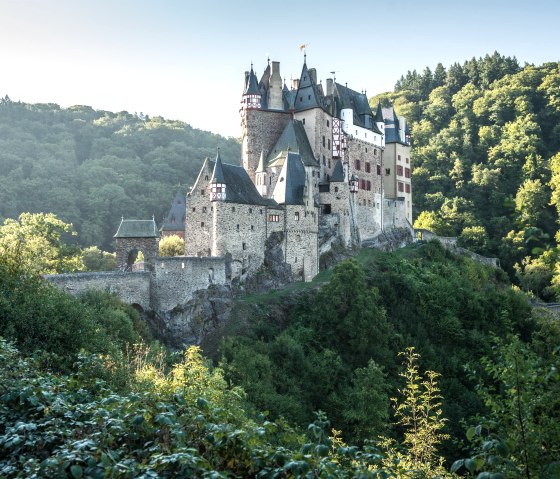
(218, 174)
(252, 86)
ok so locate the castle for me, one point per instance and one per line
(310, 156)
(317, 165)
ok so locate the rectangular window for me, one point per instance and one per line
(244, 245)
(368, 167)
(407, 188)
(399, 170)
(378, 170)
(201, 192)
(193, 210)
(407, 172)
(407, 160)
(274, 218)
(233, 209)
(296, 216)
(399, 157)
(401, 186)
(387, 171)
(368, 185)
(204, 209)
(202, 224)
(323, 141)
(250, 210)
(237, 227)
(329, 143)
(357, 164)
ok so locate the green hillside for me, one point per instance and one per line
(92, 167)
(486, 141)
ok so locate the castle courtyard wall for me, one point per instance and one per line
(178, 277)
(132, 288)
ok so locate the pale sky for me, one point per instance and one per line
(185, 60)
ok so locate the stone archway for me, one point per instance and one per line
(132, 237)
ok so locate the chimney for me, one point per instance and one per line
(313, 75)
(330, 89)
(295, 83)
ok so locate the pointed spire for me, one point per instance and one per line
(252, 87)
(379, 113)
(218, 174)
(260, 168)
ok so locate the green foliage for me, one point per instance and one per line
(35, 242)
(485, 148)
(96, 260)
(171, 246)
(419, 411)
(319, 355)
(91, 167)
(42, 319)
(520, 435)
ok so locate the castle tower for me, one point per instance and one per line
(263, 116)
(260, 177)
(275, 88)
(251, 95)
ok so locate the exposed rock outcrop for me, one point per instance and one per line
(190, 323)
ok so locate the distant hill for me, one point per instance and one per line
(91, 167)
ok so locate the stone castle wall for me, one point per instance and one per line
(260, 130)
(198, 216)
(301, 241)
(240, 230)
(178, 277)
(132, 288)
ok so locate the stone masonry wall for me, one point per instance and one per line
(318, 126)
(148, 246)
(198, 216)
(240, 230)
(260, 131)
(301, 241)
(132, 288)
(178, 277)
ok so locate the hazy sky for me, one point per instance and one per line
(185, 60)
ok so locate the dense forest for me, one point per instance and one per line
(463, 376)
(92, 167)
(486, 142)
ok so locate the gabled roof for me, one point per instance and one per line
(295, 139)
(175, 220)
(338, 173)
(308, 94)
(391, 125)
(290, 186)
(137, 229)
(240, 188)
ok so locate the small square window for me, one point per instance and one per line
(194, 209)
(244, 245)
(233, 209)
(202, 224)
(204, 209)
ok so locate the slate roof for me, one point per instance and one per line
(137, 229)
(358, 102)
(291, 182)
(379, 113)
(308, 94)
(295, 139)
(240, 188)
(391, 125)
(338, 173)
(175, 220)
(252, 84)
(218, 171)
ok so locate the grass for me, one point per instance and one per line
(276, 296)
